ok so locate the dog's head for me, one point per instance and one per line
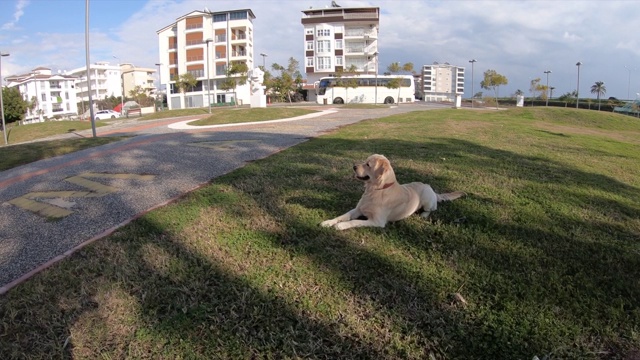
(376, 170)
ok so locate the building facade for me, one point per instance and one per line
(52, 96)
(442, 82)
(133, 77)
(335, 38)
(106, 81)
(204, 44)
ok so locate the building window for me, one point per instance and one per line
(310, 61)
(324, 62)
(44, 97)
(238, 15)
(309, 32)
(323, 32)
(309, 45)
(323, 46)
(219, 17)
(338, 60)
(339, 44)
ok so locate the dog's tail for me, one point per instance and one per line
(450, 196)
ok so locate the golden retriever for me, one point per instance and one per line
(385, 200)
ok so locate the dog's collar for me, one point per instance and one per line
(386, 186)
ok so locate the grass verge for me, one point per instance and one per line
(542, 258)
(18, 134)
(16, 155)
(241, 115)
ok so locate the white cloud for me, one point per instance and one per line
(20, 5)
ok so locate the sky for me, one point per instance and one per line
(518, 39)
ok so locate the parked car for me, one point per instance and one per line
(106, 114)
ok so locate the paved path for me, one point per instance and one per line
(50, 208)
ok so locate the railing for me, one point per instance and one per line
(194, 26)
(194, 58)
(221, 38)
(193, 42)
(372, 15)
(221, 55)
(239, 53)
(239, 37)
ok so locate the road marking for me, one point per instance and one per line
(57, 208)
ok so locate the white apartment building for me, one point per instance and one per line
(54, 95)
(204, 43)
(138, 76)
(337, 37)
(442, 82)
(106, 81)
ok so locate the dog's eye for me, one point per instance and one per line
(367, 165)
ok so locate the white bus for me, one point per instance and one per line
(366, 92)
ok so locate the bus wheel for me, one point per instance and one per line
(338, 100)
(388, 100)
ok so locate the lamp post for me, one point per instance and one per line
(264, 55)
(629, 84)
(122, 84)
(159, 85)
(4, 129)
(547, 72)
(578, 88)
(376, 87)
(472, 61)
(208, 80)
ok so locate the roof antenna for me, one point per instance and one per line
(333, 4)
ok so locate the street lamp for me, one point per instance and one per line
(376, 87)
(263, 63)
(159, 85)
(547, 72)
(629, 84)
(472, 61)
(121, 83)
(4, 129)
(578, 88)
(208, 81)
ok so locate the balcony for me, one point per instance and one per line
(220, 38)
(220, 55)
(193, 27)
(190, 59)
(191, 43)
(239, 53)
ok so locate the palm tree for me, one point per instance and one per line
(599, 89)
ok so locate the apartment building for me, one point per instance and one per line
(106, 81)
(335, 38)
(204, 43)
(53, 95)
(138, 76)
(442, 82)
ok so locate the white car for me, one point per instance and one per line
(106, 114)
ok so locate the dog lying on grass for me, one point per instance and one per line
(385, 200)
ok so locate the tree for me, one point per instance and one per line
(492, 81)
(185, 81)
(289, 81)
(395, 68)
(138, 94)
(347, 79)
(236, 75)
(15, 107)
(535, 88)
(599, 89)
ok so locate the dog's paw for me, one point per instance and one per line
(328, 223)
(342, 225)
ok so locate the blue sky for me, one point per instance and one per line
(519, 39)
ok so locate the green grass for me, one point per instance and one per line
(241, 115)
(545, 251)
(16, 155)
(165, 114)
(18, 134)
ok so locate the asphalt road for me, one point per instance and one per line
(50, 208)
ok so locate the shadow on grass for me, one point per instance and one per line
(545, 281)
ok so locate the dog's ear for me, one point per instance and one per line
(382, 167)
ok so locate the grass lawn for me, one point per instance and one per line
(542, 258)
(22, 133)
(240, 115)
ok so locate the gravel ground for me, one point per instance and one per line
(28, 240)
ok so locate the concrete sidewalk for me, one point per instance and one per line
(52, 207)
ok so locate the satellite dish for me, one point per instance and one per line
(206, 9)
